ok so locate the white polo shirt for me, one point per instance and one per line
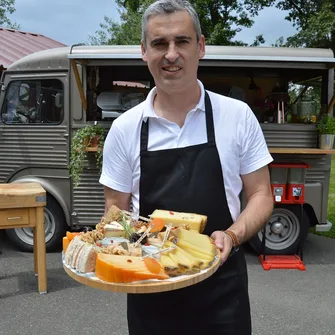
(239, 140)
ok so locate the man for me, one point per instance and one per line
(186, 149)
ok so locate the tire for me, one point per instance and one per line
(284, 232)
(55, 228)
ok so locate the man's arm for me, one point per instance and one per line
(259, 208)
(116, 198)
(257, 188)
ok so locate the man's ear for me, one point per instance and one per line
(202, 47)
(144, 52)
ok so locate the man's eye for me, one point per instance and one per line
(158, 44)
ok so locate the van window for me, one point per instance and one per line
(33, 101)
(112, 90)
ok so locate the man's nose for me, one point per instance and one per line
(172, 53)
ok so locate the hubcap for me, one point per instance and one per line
(277, 227)
(26, 234)
(282, 230)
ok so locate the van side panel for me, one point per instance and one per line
(88, 198)
(23, 146)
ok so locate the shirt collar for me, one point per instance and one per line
(149, 108)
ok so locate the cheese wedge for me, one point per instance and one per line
(124, 269)
(194, 221)
(65, 243)
(114, 229)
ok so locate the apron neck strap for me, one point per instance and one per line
(144, 135)
(209, 120)
(209, 126)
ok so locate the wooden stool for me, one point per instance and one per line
(22, 206)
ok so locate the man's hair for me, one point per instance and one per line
(164, 7)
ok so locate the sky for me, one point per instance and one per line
(72, 21)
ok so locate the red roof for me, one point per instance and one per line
(15, 44)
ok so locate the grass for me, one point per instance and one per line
(331, 204)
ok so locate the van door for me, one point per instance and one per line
(34, 144)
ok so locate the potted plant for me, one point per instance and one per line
(87, 139)
(326, 131)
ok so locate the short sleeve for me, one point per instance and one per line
(116, 169)
(254, 152)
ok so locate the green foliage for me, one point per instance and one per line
(7, 8)
(221, 20)
(82, 139)
(326, 125)
(128, 32)
(315, 22)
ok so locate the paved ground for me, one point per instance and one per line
(283, 302)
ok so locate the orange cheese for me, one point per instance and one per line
(72, 235)
(124, 269)
(66, 242)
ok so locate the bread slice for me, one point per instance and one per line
(71, 251)
(86, 259)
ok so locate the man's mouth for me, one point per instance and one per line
(172, 68)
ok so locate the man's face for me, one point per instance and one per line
(172, 51)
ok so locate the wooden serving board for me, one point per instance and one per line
(145, 287)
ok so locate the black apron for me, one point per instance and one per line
(190, 179)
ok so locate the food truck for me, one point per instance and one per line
(49, 95)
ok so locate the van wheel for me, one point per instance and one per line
(283, 232)
(55, 227)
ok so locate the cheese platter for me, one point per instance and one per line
(130, 254)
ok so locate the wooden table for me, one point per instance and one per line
(22, 206)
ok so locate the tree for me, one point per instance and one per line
(7, 7)
(221, 20)
(315, 22)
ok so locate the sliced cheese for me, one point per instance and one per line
(194, 221)
(184, 262)
(198, 242)
(114, 229)
(199, 255)
(196, 261)
(170, 267)
(209, 251)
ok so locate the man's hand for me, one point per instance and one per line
(224, 243)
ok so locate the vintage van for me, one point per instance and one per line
(47, 96)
